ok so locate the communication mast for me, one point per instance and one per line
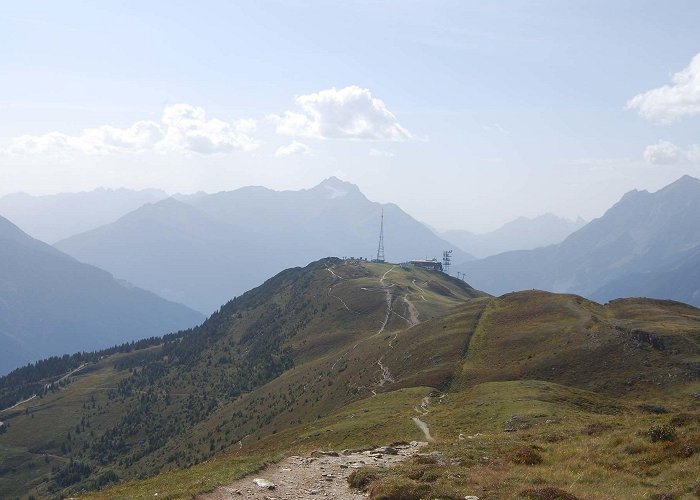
(446, 261)
(380, 249)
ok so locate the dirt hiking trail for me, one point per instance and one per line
(321, 475)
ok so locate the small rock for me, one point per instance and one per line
(471, 497)
(264, 483)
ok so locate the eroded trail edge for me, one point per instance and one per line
(321, 475)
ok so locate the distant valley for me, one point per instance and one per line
(645, 245)
(51, 304)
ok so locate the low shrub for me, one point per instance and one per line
(525, 456)
(423, 473)
(398, 488)
(424, 459)
(661, 433)
(360, 479)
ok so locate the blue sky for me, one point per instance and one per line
(486, 111)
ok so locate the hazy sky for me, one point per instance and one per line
(466, 114)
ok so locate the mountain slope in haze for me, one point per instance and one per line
(348, 354)
(522, 233)
(203, 249)
(52, 218)
(51, 304)
(679, 280)
(176, 251)
(643, 233)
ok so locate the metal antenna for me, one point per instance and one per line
(446, 261)
(380, 249)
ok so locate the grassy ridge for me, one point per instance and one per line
(528, 377)
(290, 352)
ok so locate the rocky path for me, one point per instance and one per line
(322, 475)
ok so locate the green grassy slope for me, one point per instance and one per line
(340, 355)
(301, 346)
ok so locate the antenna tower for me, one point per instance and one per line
(446, 261)
(380, 249)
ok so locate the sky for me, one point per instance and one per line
(466, 114)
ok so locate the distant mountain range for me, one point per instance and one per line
(51, 304)
(645, 245)
(55, 217)
(204, 249)
(522, 233)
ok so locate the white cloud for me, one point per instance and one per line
(348, 113)
(182, 128)
(188, 129)
(667, 153)
(294, 148)
(378, 153)
(672, 101)
(106, 139)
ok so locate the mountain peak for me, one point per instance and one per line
(685, 182)
(333, 187)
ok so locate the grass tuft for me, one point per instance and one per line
(399, 488)
(360, 479)
(525, 456)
